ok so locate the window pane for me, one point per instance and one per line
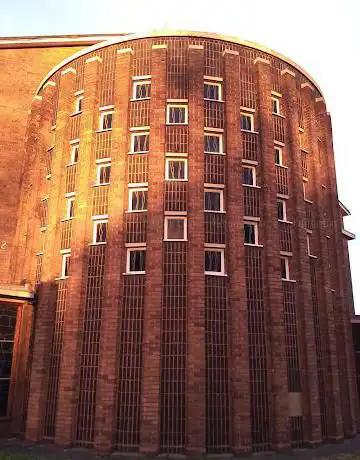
(283, 268)
(212, 143)
(141, 143)
(66, 265)
(177, 115)
(248, 178)
(211, 92)
(142, 90)
(137, 261)
(101, 229)
(71, 208)
(176, 170)
(75, 154)
(139, 200)
(105, 174)
(277, 157)
(280, 209)
(249, 233)
(212, 261)
(246, 122)
(175, 229)
(107, 121)
(212, 201)
(275, 106)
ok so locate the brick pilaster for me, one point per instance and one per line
(306, 340)
(106, 413)
(239, 354)
(150, 417)
(278, 377)
(196, 279)
(47, 291)
(81, 228)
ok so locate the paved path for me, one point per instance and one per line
(49, 451)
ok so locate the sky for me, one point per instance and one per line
(322, 36)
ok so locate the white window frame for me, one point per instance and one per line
(277, 104)
(102, 117)
(221, 143)
(74, 147)
(287, 268)
(280, 150)
(253, 169)
(252, 123)
(221, 193)
(182, 160)
(65, 255)
(129, 250)
(222, 262)
(179, 106)
(132, 141)
(167, 219)
(283, 202)
(137, 83)
(256, 232)
(96, 222)
(133, 190)
(78, 103)
(214, 83)
(98, 172)
(304, 189)
(308, 244)
(69, 200)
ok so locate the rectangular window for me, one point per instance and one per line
(278, 156)
(70, 202)
(249, 175)
(275, 105)
(100, 230)
(175, 228)
(106, 120)
(138, 199)
(177, 114)
(281, 209)
(305, 191)
(65, 265)
(247, 122)
(213, 200)
(285, 272)
(141, 89)
(213, 143)
(250, 233)
(176, 169)
(139, 142)
(214, 261)
(308, 244)
(136, 260)
(103, 173)
(212, 91)
(74, 153)
(78, 104)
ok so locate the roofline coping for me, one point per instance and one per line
(344, 208)
(227, 38)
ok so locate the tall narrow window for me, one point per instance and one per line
(275, 105)
(139, 142)
(74, 154)
(249, 175)
(247, 122)
(70, 203)
(281, 209)
(213, 143)
(7, 337)
(79, 104)
(284, 266)
(103, 173)
(213, 200)
(278, 156)
(250, 233)
(136, 260)
(214, 261)
(141, 89)
(106, 120)
(177, 114)
(212, 91)
(176, 169)
(100, 231)
(65, 265)
(138, 199)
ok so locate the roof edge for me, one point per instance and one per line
(176, 33)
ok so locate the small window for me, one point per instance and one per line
(136, 259)
(74, 154)
(250, 233)
(249, 175)
(247, 122)
(139, 142)
(177, 114)
(214, 261)
(213, 143)
(175, 228)
(275, 105)
(138, 199)
(213, 200)
(65, 265)
(281, 209)
(78, 104)
(176, 169)
(278, 156)
(285, 272)
(305, 191)
(141, 89)
(100, 231)
(106, 120)
(70, 202)
(212, 91)
(103, 173)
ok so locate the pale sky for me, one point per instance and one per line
(323, 36)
